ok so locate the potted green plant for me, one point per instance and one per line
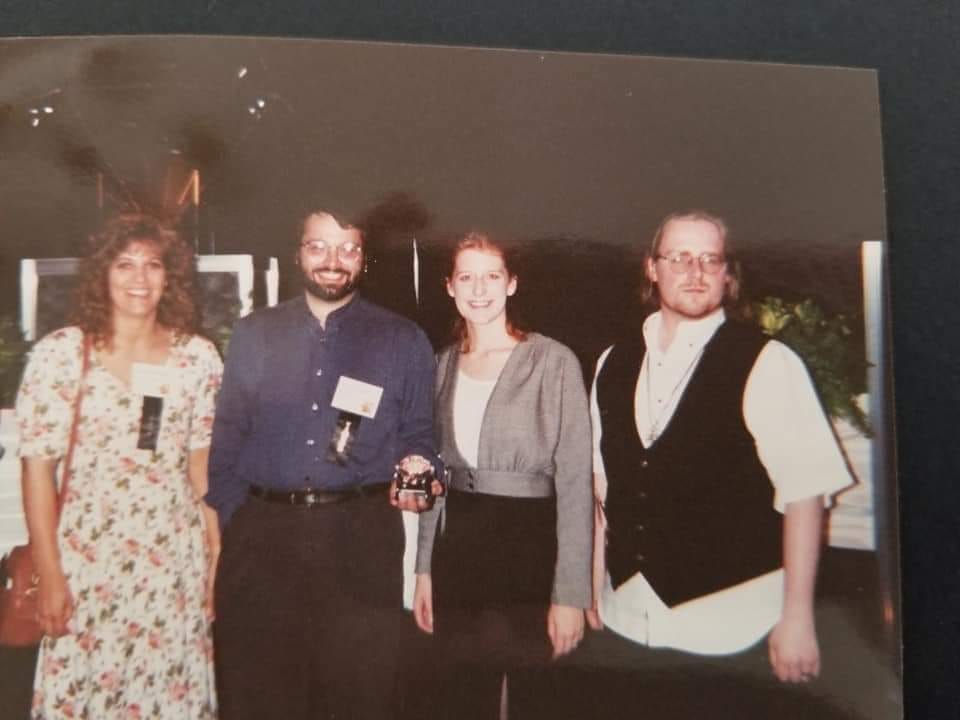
(825, 344)
(13, 356)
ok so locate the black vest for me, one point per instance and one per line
(693, 512)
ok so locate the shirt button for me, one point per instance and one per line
(641, 557)
(644, 463)
(314, 407)
(311, 441)
(642, 495)
(319, 372)
(640, 528)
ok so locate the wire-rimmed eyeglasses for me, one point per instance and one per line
(682, 262)
(347, 252)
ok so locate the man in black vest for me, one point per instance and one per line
(713, 462)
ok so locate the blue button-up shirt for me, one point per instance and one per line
(274, 419)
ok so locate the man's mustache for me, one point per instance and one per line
(339, 271)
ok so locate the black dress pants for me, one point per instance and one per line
(309, 611)
(611, 677)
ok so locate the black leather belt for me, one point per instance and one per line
(310, 497)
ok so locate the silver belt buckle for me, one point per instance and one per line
(310, 499)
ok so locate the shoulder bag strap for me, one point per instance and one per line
(72, 442)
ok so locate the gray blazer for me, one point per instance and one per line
(536, 428)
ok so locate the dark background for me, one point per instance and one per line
(914, 46)
(575, 156)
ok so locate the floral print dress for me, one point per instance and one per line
(131, 536)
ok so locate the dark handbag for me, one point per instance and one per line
(18, 600)
(19, 623)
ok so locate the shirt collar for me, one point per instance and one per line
(693, 333)
(334, 319)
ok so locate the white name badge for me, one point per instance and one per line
(357, 397)
(153, 380)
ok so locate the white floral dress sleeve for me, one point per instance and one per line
(47, 394)
(209, 369)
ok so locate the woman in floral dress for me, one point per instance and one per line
(124, 570)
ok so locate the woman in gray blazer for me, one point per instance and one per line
(504, 561)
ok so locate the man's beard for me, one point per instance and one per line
(329, 293)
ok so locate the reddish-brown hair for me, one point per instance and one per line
(476, 240)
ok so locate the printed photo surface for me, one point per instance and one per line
(638, 203)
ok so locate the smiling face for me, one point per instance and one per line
(330, 257)
(692, 294)
(480, 285)
(136, 280)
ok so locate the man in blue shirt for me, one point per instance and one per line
(322, 396)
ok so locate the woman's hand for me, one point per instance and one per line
(54, 601)
(213, 557)
(209, 605)
(423, 603)
(593, 618)
(54, 604)
(565, 628)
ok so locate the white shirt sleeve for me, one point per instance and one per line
(598, 469)
(795, 441)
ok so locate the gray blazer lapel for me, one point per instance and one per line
(503, 395)
(443, 409)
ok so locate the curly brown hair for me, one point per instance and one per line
(177, 311)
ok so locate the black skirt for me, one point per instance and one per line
(493, 570)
